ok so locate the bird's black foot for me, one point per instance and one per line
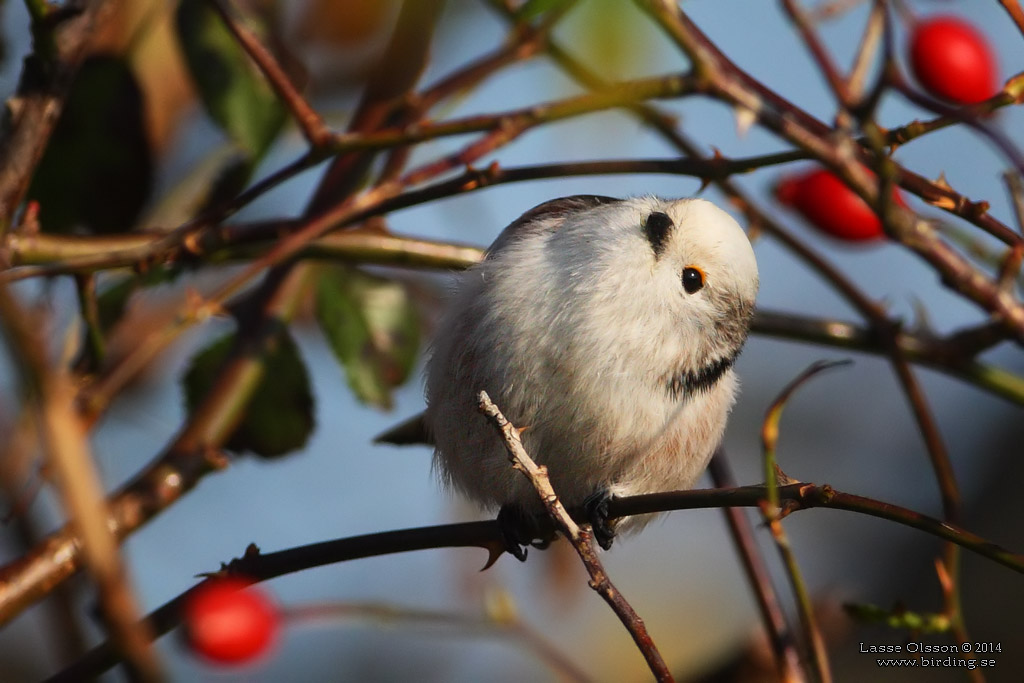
(596, 509)
(521, 529)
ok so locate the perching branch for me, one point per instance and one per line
(582, 540)
(257, 566)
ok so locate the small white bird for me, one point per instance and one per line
(607, 329)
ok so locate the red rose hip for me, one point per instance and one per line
(952, 60)
(229, 623)
(830, 206)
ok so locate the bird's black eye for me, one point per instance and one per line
(693, 279)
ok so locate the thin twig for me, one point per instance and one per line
(496, 623)
(1016, 188)
(313, 127)
(32, 114)
(35, 255)
(582, 541)
(787, 657)
(927, 426)
(1013, 8)
(804, 25)
(869, 43)
(727, 82)
(621, 95)
(78, 482)
(833, 8)
(524, 42)
(191, 455)
(772, 514)
(388, 87)
(940, 353)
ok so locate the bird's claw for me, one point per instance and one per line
(596, 509)
(520, 530)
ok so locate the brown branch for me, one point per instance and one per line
(388, 85)
(972, 116)
(869, 43)
(523, 43)
(937, 452)
(803, 23)
(78, 483)
(940, 353)
(1013, 8)
(41, 254)
(504, 623)
(1016, 188)
(257, 566)
(33, 112)
(829, 9)
(787, 656)
(191, 455)
(944, 473)
(63, 254)
(772, 514)
(316, 132)
(725, 81)
(582, 541)
(804, 496)
(622, 95)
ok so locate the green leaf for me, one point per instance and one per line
(234, 92)
(372, 327)
(97, 170)
(279, 416)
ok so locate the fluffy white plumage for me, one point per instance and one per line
(579, 326)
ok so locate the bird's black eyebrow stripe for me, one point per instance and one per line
(657, 228)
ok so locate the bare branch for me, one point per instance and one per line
(316, 132)
(257, 566)
(787, 656)
(1013, 8)
(582, 541)
(76, 478)
(34, 111)
(190, 456)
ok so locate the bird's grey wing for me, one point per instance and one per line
(541, 218)
(546, 217)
